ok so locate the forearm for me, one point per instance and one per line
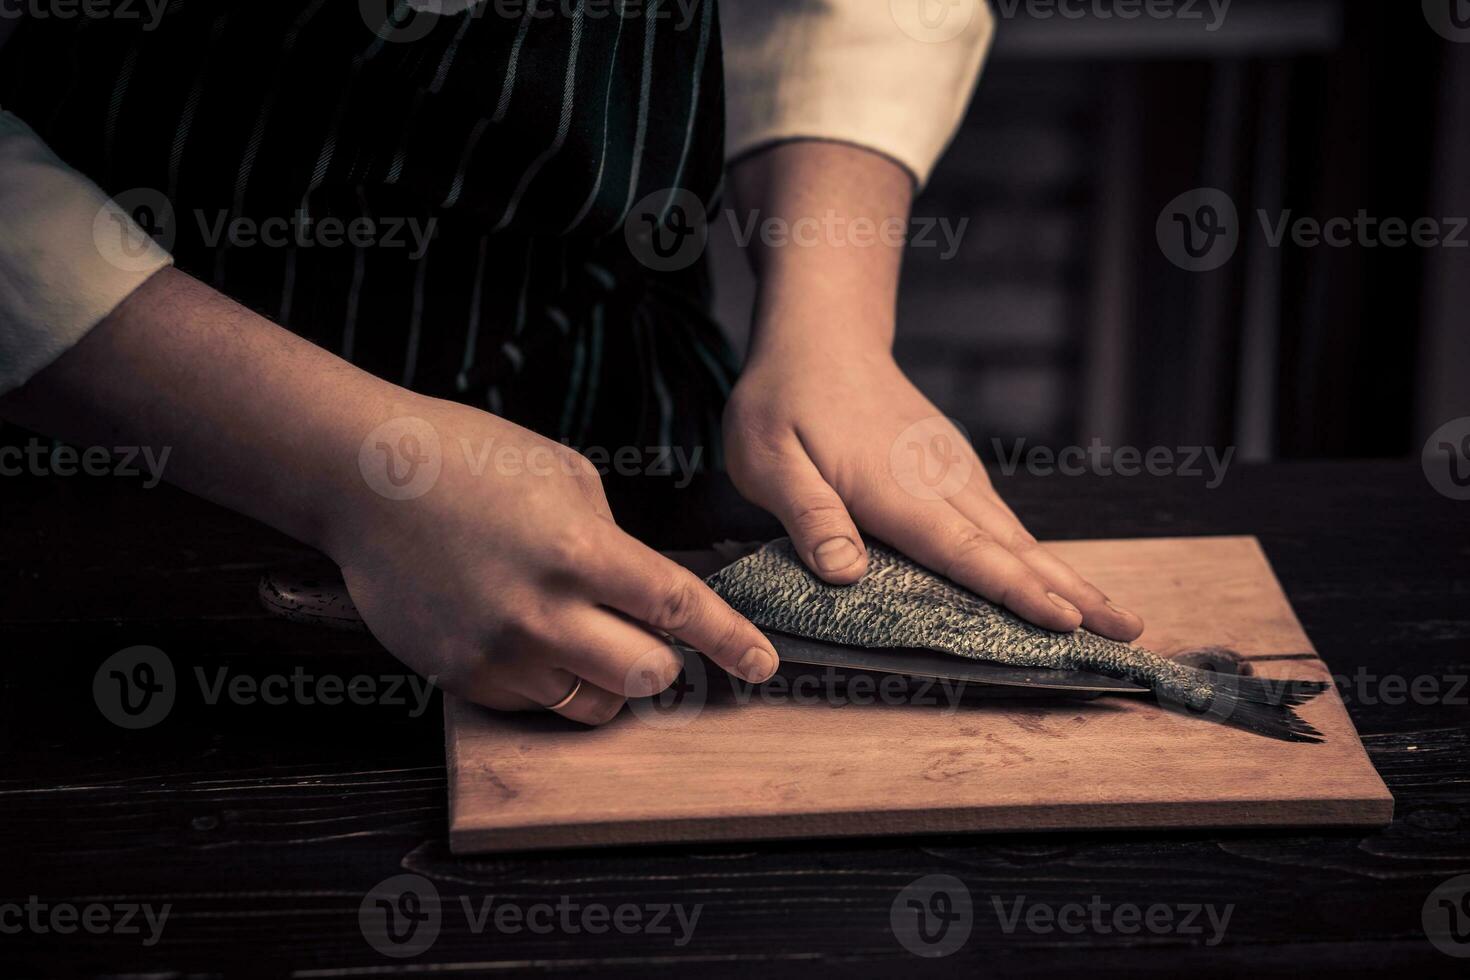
(253, 417)
(828, 275)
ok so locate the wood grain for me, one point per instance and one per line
(735, 763)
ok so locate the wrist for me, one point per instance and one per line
(812, 324)
(377, 462)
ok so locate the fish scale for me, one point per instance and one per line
(900, 604)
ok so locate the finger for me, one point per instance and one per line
(493, 696)
(633, 578)
(615, 654)
(791, 487)
(1099, 614)
(586, 702)
(535, 688)
(939, 537)
(559, 691)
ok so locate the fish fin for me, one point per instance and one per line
(1276, 721)
(1263, 705)
(1271, 690)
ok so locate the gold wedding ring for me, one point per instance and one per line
(577, 686)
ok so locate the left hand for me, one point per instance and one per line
(811, 435)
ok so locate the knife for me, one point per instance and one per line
(943, 666)
(319, 598)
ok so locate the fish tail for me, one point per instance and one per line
(1264, 705)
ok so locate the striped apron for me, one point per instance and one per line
(441, 200)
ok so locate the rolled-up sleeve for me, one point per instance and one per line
(894, 76)
(68, 255)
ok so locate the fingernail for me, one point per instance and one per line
(1063, 603)
(757, 665)
(835, 554)
(1121, 611)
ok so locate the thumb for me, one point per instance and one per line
(791, 487)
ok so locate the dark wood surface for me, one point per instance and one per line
(265, 826)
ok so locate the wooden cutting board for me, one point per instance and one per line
(729, 763)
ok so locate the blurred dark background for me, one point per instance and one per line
(1061, 318)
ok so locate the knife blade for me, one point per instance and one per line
(942, 666)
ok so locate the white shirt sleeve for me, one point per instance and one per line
(68, 255)
(893, 76)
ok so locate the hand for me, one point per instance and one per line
(508, 584)
(810, 435)
(504, 579)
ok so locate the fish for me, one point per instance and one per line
(899, 604)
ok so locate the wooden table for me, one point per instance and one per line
(264, 826)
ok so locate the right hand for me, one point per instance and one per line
(501, 585)
(508, 579)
